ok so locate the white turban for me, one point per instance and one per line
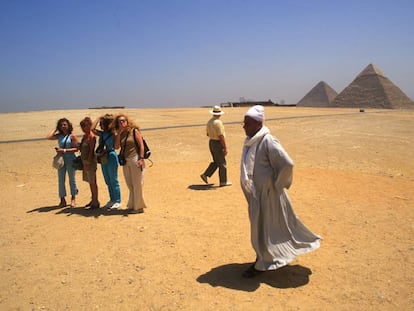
(256, 113)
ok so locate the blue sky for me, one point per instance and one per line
(64, 54)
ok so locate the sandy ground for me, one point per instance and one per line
(353, 185)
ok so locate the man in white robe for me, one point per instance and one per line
(277, 235)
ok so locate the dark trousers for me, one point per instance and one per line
(219, 161)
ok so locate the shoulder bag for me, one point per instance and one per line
(147, 151)
(121, 156)
(101, 152)
(58, 162)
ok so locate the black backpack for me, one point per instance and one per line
(147, 151)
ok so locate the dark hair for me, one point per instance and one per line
(106, 122)
(59, 125)
(86, 120)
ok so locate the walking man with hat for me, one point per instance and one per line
(218, 149)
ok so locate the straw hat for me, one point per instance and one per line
(216, 111)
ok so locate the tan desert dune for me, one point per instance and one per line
(353, 185)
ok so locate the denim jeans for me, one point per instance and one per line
(68, 158)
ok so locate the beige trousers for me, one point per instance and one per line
(134, 178)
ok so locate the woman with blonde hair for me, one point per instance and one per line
(129, 139)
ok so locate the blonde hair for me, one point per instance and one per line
(130, 124)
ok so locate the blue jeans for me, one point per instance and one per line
(68, 158)
(110, 173)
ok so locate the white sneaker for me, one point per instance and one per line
(224, 184)
(116, 205)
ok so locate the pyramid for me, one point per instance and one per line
(372, 89)
(320, 96)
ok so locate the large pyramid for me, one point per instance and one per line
(371, 89)
(320, 96)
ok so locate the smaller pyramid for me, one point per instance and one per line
(372, 89)
(320, 96)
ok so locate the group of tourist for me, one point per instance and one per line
(266, 170)
(100, 145)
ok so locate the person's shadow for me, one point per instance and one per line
(202, 187)
(230, 276)
(45, 209)
(68, 210)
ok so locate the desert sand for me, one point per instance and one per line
(353, 185)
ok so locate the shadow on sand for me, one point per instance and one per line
(68, 210)
(230, 276)
(202, 187)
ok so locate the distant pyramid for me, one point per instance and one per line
(320, 96)
(371, 89)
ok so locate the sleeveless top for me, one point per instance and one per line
(109, 140)
(65, 142)
(128, 144)
(84, 149)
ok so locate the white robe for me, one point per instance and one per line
(277, 235)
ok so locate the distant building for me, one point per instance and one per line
(108, 107)
(249, 103)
